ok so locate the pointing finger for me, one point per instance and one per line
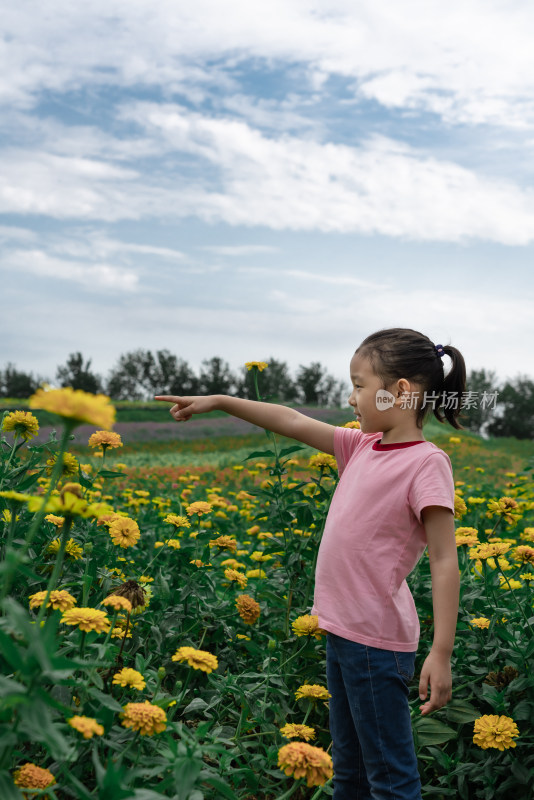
(167, 398)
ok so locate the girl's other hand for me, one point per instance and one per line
(184, 407)
(436, 672)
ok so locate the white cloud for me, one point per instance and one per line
(243, 177)
(43, 183)
(312, 277)
(93, 276)
(470, 61)
(239, 249)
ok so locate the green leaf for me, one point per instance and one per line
(293, 449)
(198, 704)
(461, 711)
(9, 686)
(522, 773)
(218, 784)
(186, 772)
(259, 453)
(11, 652)
(8, 790)
(105, 473)
(432, 731)
(106, 699)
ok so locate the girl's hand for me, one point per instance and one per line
(436, 671)
(184, 407)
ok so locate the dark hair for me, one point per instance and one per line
(397, 353)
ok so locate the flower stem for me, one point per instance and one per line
(57, 567)
(518, 604)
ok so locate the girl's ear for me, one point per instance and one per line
(402, 387)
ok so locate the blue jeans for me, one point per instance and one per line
(373, 750)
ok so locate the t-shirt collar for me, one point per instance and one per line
(395, 445)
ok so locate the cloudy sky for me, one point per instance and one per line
(246, 179)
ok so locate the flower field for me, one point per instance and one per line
(155, 636)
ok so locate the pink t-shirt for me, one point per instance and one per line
(374, 537)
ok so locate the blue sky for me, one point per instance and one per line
(249, 180)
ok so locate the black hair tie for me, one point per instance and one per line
(439, 350)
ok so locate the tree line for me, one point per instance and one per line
(140, 374)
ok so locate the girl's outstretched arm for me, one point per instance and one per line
(276, 418)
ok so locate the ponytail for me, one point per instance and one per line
(453, 387)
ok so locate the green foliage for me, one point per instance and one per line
(222, 733)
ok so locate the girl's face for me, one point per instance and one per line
(365, 385)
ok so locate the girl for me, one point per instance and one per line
(395, 497)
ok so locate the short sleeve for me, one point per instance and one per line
(433, 484)
(346, 441)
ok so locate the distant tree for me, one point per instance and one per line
(477, 413)
(515, 410)
(275, 383)
(316, 387)
(216, 377)
(78, 375)
(140, 374)
(17, 384)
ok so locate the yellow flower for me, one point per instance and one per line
(302, 760)
(308, 625)
(322, 460)
(57, 521)
(105, 440)
(524, 553)
(352, 424)
(260, 365)
(248, 608)
(59, 598)
(177, 521)
(494, 731)
(174, 543)
(459, 506)
(224, 543)
(144, 717)
(489, 550)
(70, 465)
(506, 507)
(22, 423)
(480, 622)
(199, 507)
(198, 659)
(76, 406)
(30, 776)
(454, 439)
(68, 505)
(129, 677)
(87, 619)
(15, 497)
(509, 583)
(255, 573)
(294, 731)
(234, 575)
(72, 549)
(313, 691)
(86, 725)
(117, 602)
(124, 531)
